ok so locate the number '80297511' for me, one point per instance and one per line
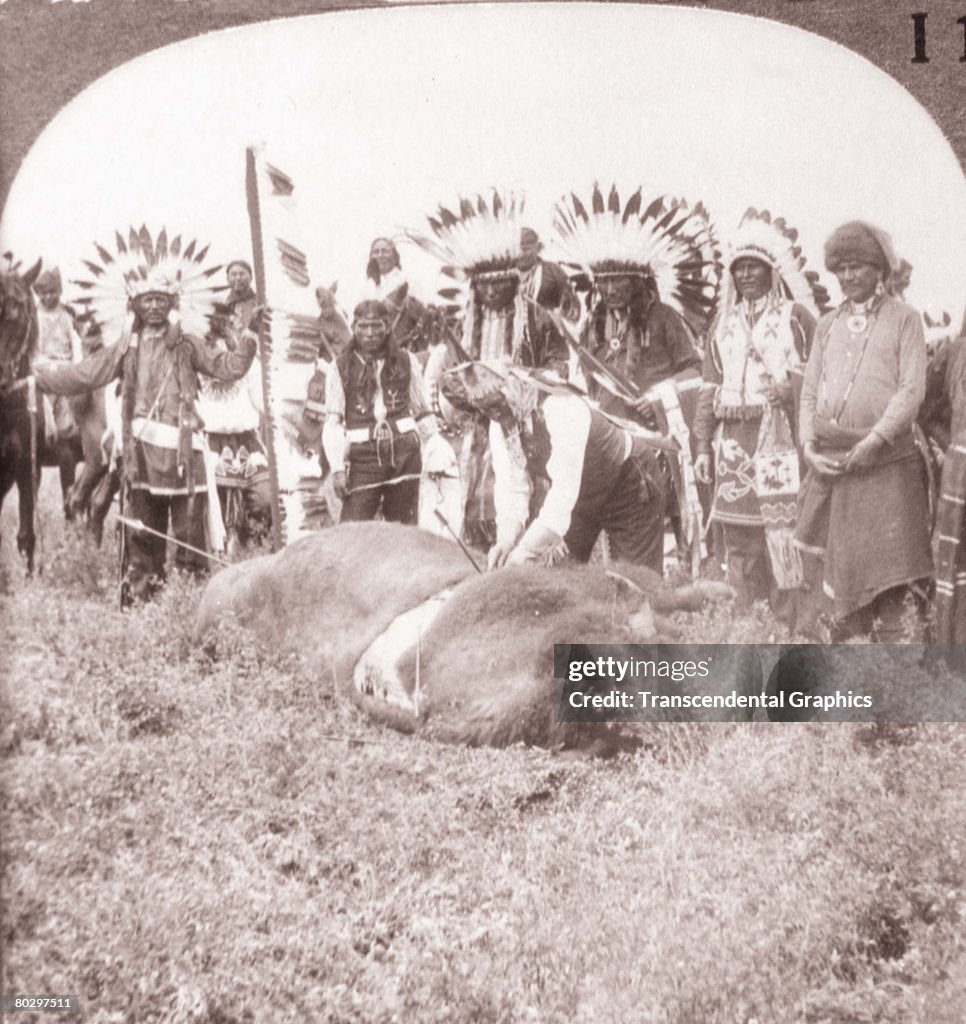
(38, 1004)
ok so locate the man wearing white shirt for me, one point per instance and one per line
(375, 417)
(600, 476)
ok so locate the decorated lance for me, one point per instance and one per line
(616, 383)
(265, 341)
(136, 524)
(439, 515)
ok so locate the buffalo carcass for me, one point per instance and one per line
(400, 619)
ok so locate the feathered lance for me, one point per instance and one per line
(265, 341)
(610, 379)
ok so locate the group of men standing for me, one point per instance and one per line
(805, 425)
(804, 432)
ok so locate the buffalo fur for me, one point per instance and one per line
(330, 594)
(482, 673)
(486, 664)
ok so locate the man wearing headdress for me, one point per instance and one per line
(58, 342)
(164, 468)
(637, 257)
(543, 282)
(642, 338)
(564, 471)
(375, 418)
(746, 410)
(864, 507)
(631, 257)
(481, 247)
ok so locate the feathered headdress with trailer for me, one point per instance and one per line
(770, 240)
(478, 242)
(664, 240)
(142, 265)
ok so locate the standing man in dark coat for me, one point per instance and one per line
(543, 282)
(636, 257)
(163, 448)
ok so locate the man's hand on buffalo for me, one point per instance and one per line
(507, 537)
(539, 545)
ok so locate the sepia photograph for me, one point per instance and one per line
(482, 513)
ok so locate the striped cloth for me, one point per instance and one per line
(950, 546)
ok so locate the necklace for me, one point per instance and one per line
(618, 327)
(858, 321)
(866, 311)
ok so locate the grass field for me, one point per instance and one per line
(225, 841)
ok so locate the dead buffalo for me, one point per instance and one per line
(402, 621)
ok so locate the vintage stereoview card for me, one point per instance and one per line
(482, 526)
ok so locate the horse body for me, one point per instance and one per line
(25, 447)
(20, 434)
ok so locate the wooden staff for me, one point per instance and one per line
(264, 339)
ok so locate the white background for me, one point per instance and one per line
(380, 114)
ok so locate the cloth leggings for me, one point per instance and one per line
(895, 616)
(146, 552)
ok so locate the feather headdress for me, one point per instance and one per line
(481, 240)
(142, 265)
(664, 240)
(771, 240)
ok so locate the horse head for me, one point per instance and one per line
(18, 320)
(333, 323)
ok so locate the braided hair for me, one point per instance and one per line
(644, 296)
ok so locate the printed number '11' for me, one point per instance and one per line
(919, 38)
